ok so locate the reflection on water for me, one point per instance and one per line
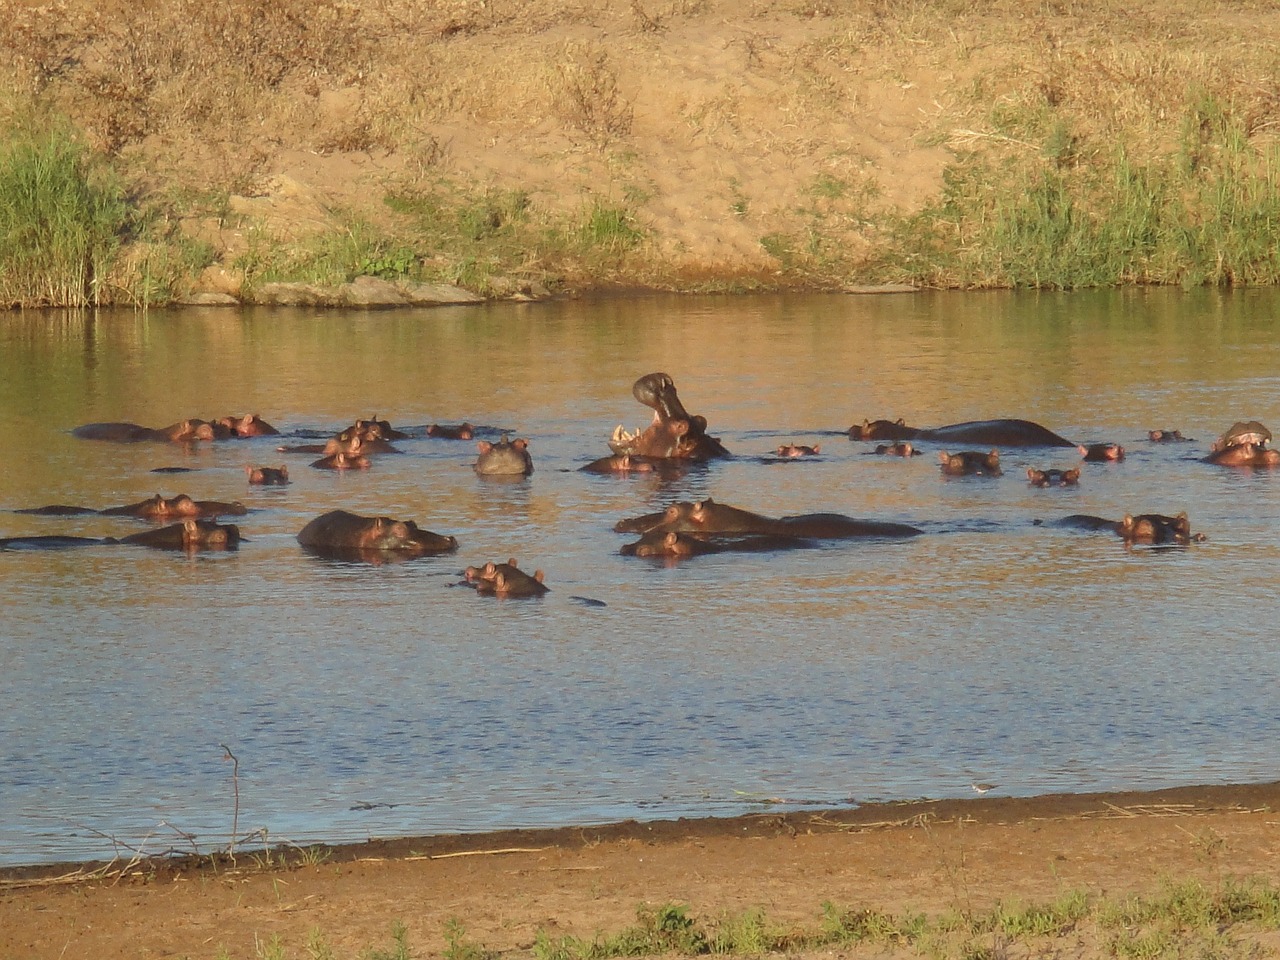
(369, 700)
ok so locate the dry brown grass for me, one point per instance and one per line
(710, 118)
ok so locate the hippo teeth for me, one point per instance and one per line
(620, 435)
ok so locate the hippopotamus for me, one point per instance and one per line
(673, 545)
(184, 431)
(1101, 452)
(674, 432)
(899, 449)
(1048, 478)
(340, 533)
(621, 463)
(708, 517)
(155, 507)
(364, 437)
(190, 535)
(249, 425)
(372, 429)
(1245, 444)
(798, 450)
(343, 461)
(1001, 433)
(1139, 528)
(1167, 436)
(506, 580)
(1243, 432)
(461, 431)
(970, 463)
(267, 476)
(1245, 455)
(506, 458)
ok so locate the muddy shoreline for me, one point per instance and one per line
(771, 821)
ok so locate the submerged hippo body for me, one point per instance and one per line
(899, 448)
(506, 458)
(708, 517)
(674, 432)
(623, 463)
(339, 533)
(795, 450)
(1245, 455)
(267, 476)
(1140, 528)
(971, 463)
(998, 433)
(160, 508)
(249, 425)
(678, 546)
(189, 535)
(444, 431)
(1053, 477)
(1101, 452)
(153, 508)
(184, 431)
(506, 580)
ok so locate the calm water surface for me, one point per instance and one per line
(383, 700)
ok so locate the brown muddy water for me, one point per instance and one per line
(366, 700)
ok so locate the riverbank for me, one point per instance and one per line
(1188, 871)
(531, 149)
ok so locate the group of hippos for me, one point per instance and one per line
(674, 440)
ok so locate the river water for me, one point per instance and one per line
(364, 700)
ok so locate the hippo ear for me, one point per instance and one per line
(944, 457)
(484, 446)
(670, 540)
(538, 575)
(284, 471)
(511, 562)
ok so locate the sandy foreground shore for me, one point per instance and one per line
(503, 889)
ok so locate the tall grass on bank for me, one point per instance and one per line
(1205, 211)
(60, 220)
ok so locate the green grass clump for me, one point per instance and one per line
(1205, 210)
(61, 219)
(1185, 920)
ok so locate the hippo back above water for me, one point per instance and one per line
(992, 433)
(340, 533)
